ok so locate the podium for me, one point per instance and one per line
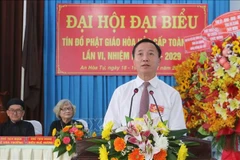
(202, 151)
(81, 153)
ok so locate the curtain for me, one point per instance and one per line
(10, 48)
(12, 57)
(32, 61)
(91, 94)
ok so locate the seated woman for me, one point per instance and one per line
(15, 126)
(64, 111)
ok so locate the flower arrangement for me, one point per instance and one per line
(142, 138)
(193, 77)
(209, 84)
(66, 138)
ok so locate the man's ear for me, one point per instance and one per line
(160, 60)
(7, 112)
(23, 113)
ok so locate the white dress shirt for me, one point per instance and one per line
(167, 98)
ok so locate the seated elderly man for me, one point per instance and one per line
(15, 126)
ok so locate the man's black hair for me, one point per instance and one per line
(150, 41)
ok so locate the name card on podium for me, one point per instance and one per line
(27, 140)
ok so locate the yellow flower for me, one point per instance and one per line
(221, 111)
(106, 134)
(164, 129)
(139, 119)
(234, 104)
(214, 48)
(185, 111)
(219, 51)
(79, 126)
(94, 134)
(236, 49)
(109, 125)
(235, 43)
(54, 131)
(107, 130)
(68, 147)
(103, 154)
(232, 71)
(183, 87)
(238, 113)
(224, 44)
(230, 122)
(57, 142)
(182, 153)
(219, 72)
(223, 96)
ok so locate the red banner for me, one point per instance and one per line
(213, 34)
(228, 22)
(196, 43)
(222, 27)
(98, 39)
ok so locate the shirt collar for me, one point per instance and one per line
(18, 122)
(153, 81)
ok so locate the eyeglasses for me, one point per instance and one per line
(18, 111)
(66, 109)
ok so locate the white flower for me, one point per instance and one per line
(161, 142)
(233, 104)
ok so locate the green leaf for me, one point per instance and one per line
(170, 155)
(94, 149)
(191, 155)
(165, 122)
(202, 131)
(55, 149)
(191, 143)
(174, 143)
(128, 119)
(62, 150)
(119, 134)
(203, 57)
(198, 96)
(177, 133)
(98, 141)
(219, 143)
(149, 115)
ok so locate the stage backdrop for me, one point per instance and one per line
(91, 94)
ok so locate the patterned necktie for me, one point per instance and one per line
(144, 102)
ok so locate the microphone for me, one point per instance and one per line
(134, 92)
(151, 93)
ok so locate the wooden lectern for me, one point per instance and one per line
(202, 151)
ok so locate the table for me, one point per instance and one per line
(30, 152)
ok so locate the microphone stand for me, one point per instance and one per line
(151, 93)
(135, 91)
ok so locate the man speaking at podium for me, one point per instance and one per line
(146, 92)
